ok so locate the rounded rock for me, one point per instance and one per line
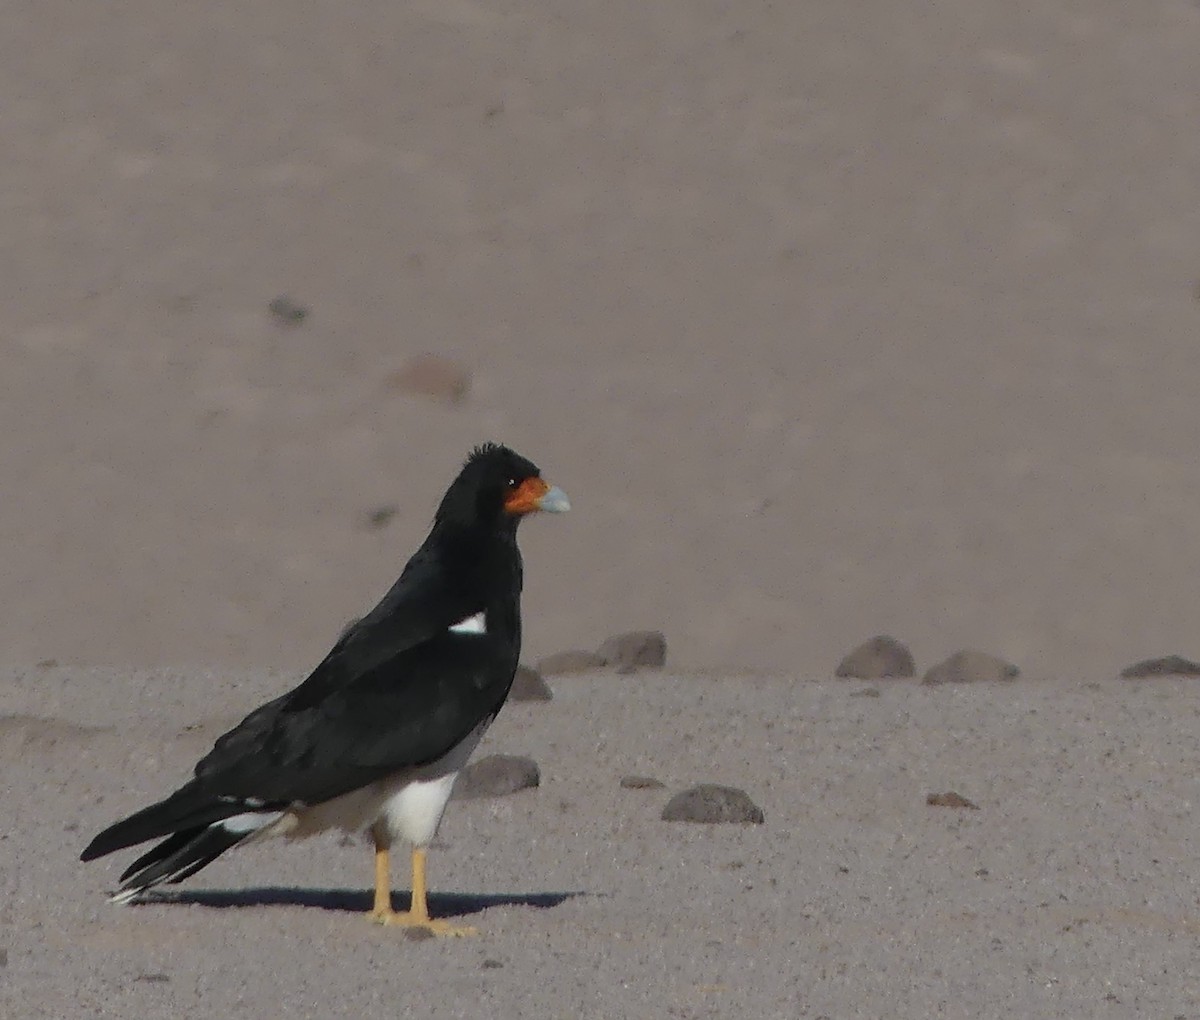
(1168, 665)
(528, 685)
(634, 649)
(710, 804)
(497, 775)
(968, 667)
(880, 657)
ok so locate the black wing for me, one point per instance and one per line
(407, 710)
(398, 689)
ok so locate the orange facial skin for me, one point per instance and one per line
(526, 497)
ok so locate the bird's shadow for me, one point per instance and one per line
(354, 901)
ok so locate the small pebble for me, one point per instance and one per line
(640, 783)
(950, 799)
(287, 312)
(382, 516)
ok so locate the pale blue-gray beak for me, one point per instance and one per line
(554, 501)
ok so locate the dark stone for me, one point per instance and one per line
(950, 799)
(497, 775)
(382, 516)
(967, 667)
(1168, 665)
(880, 657)
(287, 312)
(627, 652)
(528, 685)
(713, 805)
(574, 661)
(640, 783)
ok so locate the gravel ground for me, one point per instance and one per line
(1070, 892)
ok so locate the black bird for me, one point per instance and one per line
(375, 736)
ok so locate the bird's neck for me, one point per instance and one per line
(484, 559)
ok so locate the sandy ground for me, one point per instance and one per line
(1070, 892)
(833, 319)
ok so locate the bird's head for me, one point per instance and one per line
(498, 486)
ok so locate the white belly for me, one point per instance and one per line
(408, 805)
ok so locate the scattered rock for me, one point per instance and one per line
(866, 692)
(492, 964)
(382, 516)
(418, 934)
(1168, 665)
(950, 799)
(429, 375)
(640, 783)
(713, 805)
(967, 667)
(528, 685)
(882, 656)
(497, 775)
(574, 661)
(47, 664)
(626, 652)
(287, 312)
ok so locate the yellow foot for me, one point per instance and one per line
(435, 927)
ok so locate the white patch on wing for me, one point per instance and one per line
(249, 821)
(476, 624)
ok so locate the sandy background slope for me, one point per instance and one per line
(833, 319)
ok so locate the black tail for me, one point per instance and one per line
(187, 808)
(175, 858)
(199, 828)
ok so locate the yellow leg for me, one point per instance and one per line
(383, 882)
(420, 905)
(417, 916)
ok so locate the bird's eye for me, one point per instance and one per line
(512, 483)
